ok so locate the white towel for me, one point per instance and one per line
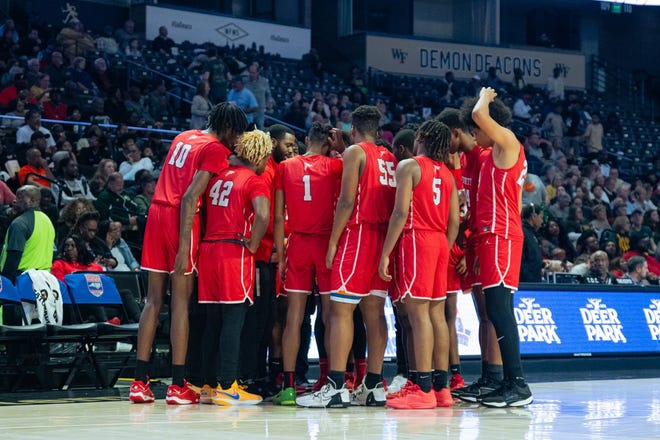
(46, 288)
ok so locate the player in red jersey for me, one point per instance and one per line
(425, 224)
(360, 224)
(260, 317)
(306, 188)
(170, 241)
(235, 217)
(500, 238)
(473, 156)
(459, 279)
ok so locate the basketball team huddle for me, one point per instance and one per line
(436, 216)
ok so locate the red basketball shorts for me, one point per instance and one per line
(471, 278)
(499, 261)
(455, 281)
(161, 239)
(305, 263)
(226, 273)
(421, 265)
(355, 269)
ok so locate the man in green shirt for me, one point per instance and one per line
(30, 238)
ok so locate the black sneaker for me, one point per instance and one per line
(514, 392)
(475, 392)
(262, 387)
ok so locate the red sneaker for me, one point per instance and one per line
(456, 382)
(349, 379)
(184, 395)
(404, 389)
(443, 398)
(319, 383)
(413, 398)
(140, 392)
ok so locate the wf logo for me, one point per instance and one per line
(564, 69)
(400, 55)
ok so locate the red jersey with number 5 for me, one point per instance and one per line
(228, 203)
(499, 198)
(429, 206)
(311, 187)
(374, 199)
(191, 151)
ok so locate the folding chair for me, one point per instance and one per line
(22, 343)
(96, 289)
(68, 351)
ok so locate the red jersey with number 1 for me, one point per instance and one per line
(228, 202)
(311, 186)
(374, 199)
(191, 151)
(499, 198)
(429, 206)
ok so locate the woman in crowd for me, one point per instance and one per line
(100, 178)
(69, 217)
(73, 256)
(558, 238)
(652, 220)
(200, 107)
(600, 222)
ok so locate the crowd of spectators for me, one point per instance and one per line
(102, 179)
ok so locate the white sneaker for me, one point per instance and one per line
(364, 396)
(327, 397)
(397, 383)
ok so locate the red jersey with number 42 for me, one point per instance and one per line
(191, 150)
(499, 198)
(374, 199)
(429, 206)
(311, 187)
(228, 203)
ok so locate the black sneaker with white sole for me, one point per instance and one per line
(476, 391)
(513, 392)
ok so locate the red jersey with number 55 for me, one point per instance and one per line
(374, 199)
(228, 203)
(190, 151)
(499, 198)
(429, 206)
(311, 187)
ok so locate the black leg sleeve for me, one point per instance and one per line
(499, 304)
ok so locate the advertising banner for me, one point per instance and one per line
(182, 25)
(563, 322)
(584, 323)
(434, 58)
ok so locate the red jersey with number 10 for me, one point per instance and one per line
(374, 199)
(311, 187)
(191, 151)
(429, 206)
(499, 198)
(228, 202)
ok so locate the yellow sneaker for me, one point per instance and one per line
(235, 396)
(206, 395)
